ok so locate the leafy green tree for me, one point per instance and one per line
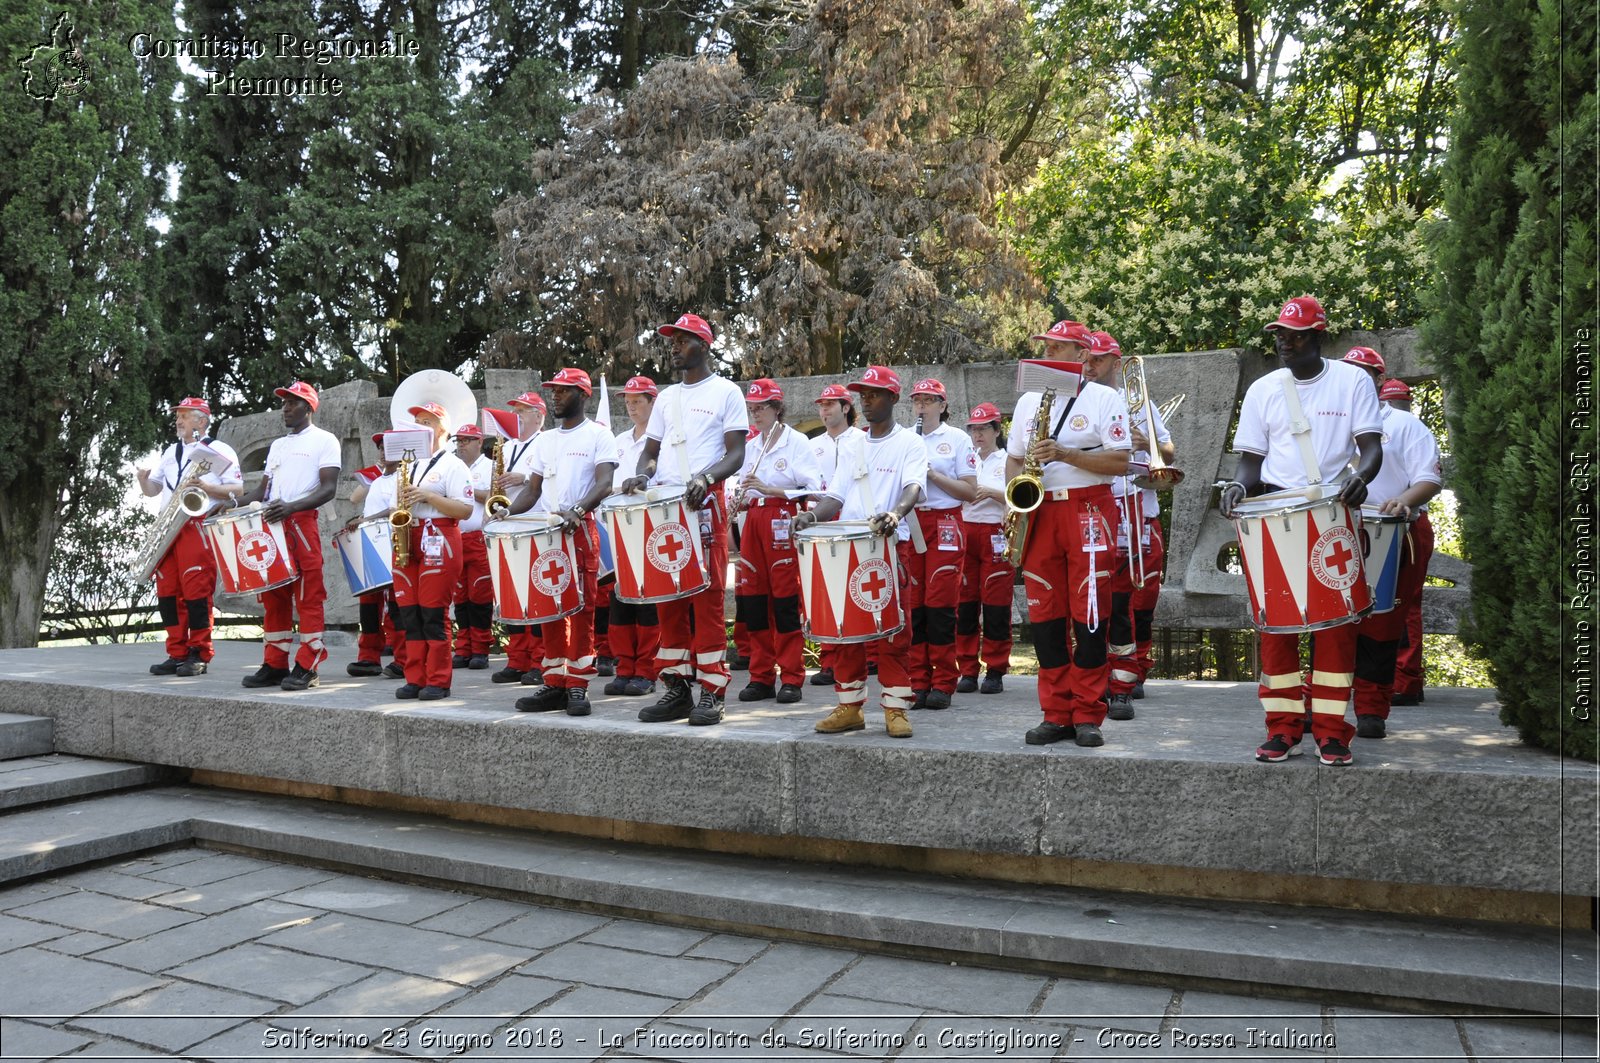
(1516, 289)
(85, 175)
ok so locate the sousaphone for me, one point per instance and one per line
(434, 385)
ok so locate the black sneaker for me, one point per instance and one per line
(1371, 726)
(740, 663)
(533, 677)
(1334, 753)
(605, 666)
(408, 692)
(872, 667)
(1048, 732)
(919, 699)
(363, 669)
(547, 700)
(507, 674)
(393, 671)
(1278, 747)
(265, 677)
(1406, 699)
(675, 704)
(299, 679)
(478, 662)
(638, 686)
(460, 660)
(167, 667)
(192, 666)
(619, 685)
(992, 684)
(967, 684)
(788, 694)
(823, 678)
(1119, 707)
(1138, 691)
(757, 692)
(936, 699)
(1088, 735)
(432, 693)
(708, 711)
(577, 701)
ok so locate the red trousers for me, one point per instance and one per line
(767, 594)
(932, 592)
(303, 598)
(423, 590)
(694, 636)
(1067, 571)
(524, 646)
(1284, 691)
(569, 642)
(635, 637)
(377, 611)
(186, 578)
(892, 652)
(1133, 609)
(474, 597)
(986, 581)
(1378, 637)
(1408, 661)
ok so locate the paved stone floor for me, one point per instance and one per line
(202, 955)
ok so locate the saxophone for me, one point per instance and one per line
(498, 503)
(1025, 491)
(400, 517)
(188, 501)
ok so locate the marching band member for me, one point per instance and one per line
(1138, 528)
(1410, 476)
(934, 587)
(474, 594)
(635, 631)
(186, 576)
(695, 438)
(439, 497)
(524, 646)
(880, 477)
(838, 415)
(302, 475)
(986, 572)
(376, 609)
(1069, 558)
(1396, 394)
(767, 594)
(1341, 408)
(571, 473)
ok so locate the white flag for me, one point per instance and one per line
(602, 413)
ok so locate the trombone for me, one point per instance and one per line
(1161, 477)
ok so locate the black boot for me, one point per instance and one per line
(675, 704)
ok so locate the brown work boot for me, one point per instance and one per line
(842, 718)
(895, 722)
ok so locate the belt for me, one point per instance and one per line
(1061, 494)
(938, 509)
(770, 500)
(438, 522)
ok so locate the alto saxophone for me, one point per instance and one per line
(498, 502)
(1025, 491)
(400, 517)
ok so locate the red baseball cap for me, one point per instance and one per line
(196, 404)
(693, 324)
(1066, 332)
(434, 408)
(570, 378)
(469, 431)
(835, 393)
(377, 438)
(1398, 390)
(928, 386)
(763, 390)
(1103, 343)
(529, 398)
(1301, 313)
(984, 413)
(1366, 358)
(300, 390)
(877, 376)
(639, 385)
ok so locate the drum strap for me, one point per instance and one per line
(680, 439)
(1300, 428)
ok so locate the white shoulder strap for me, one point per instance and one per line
(1301, 429)
(679, 440)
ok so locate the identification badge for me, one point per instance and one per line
(1092, 530)
(997, 543)
(1122, 538)
(432, 545)
(780, 532)
(705, 524)
(949, 534)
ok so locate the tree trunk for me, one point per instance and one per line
(28, 525)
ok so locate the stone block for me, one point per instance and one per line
(272, 973)
(776, 983)
(396, 902)
(81, 714)
(47, 987)
(1112, 1004)
(26, 1040)
(64, 778)
(618, 969)
(175, 1016)
(24, 736)
(384, 1001)
(948, 990)
(203, 937)
(427, 953)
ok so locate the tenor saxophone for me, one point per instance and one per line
(400, 517)
(1025, 491)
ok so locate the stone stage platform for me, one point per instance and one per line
(1450, 816)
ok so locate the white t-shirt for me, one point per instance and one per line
(628, 451)
(1098, 420)
(444, 473)
(567, 459)
(380, 496)
(887, 464)
(1151, 499)
(991, 473)
(1340, 403)
(171, 473)
(697, 416)
(825, 449)
(481, 475)
(519, 458)
(950, 454)
(789, 463)
(1410, 456)
(295, 463)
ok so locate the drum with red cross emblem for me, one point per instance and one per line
(251, 553)
(659, 544)
(533, 567)
(1301, 553)
(849, 582)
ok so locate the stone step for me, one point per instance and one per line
(40, 780)
(25, 736)
(1314, 952)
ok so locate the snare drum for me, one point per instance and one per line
(1301, 554)
(849, 582)
(1383, 536)
(534, 568)
(367, 551)
(656, 537)
(252, 555)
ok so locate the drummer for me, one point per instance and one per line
(695, 438)
(439, 497)
(524, 645)
(571, 472)
(880, 477)
(376, 609)
(186, 571)
(1409, 478)
(838, 414)
(302, 475)
(778, 463)
(1396, 394)
(987, 575)
(1341, 408)
(474, 594)
(635, 631)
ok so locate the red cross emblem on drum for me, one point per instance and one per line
(552, 573)
(870, 584)
(1335, 558)
(257, 551)
(668, 547)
